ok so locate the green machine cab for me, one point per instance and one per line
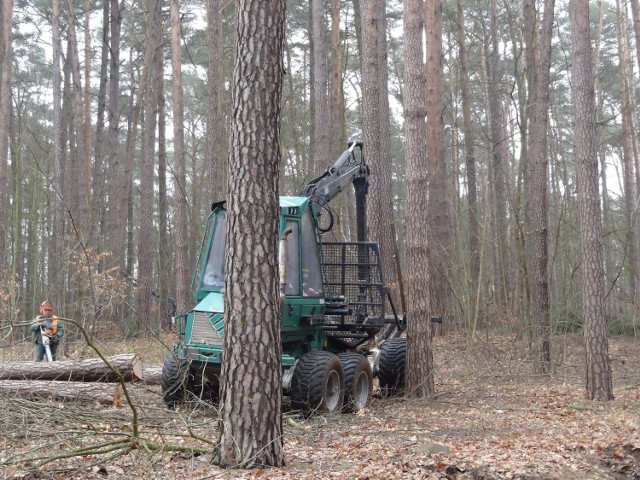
(335, 334)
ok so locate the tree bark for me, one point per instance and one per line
(538, 204)
(88, 370)
(60, 391)
(439, 209)
(183, 296)
(498, 145)
(83, 160)
(146, 233)
(250, 428)
(598, 375)
(379, 204)
(470, 166)
(6, 57)
(630, 187)
(320, 144)
(216, 144)
(419, 372)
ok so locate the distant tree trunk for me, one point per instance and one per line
(250, 427)
(419, 372)
(538, 204)
(610, 300)
(630, 188)
(391, 259)
(99, 180)
(379, 205)
(180, 176)
(599, 382)
(55, 253)
(320, 146)
(498, 161)
(125, 194)
(146, 233)
(117, 177)
(87, 110)
(439, 210)
(216, 144)
(164, 245)
(337, 136)
(635, 11)
(470, 167)
(6, 57)
(84, 166)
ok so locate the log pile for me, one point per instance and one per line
(90, 380)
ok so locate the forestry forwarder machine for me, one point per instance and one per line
(335, 334)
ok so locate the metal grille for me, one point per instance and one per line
(351, 271)
(204, 331)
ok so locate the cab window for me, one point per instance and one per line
(311, 273)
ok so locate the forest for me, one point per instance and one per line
(501, 136)
(92, 216)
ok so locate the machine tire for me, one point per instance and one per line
(175, 381)
(358, 380)
(391, 370)
(318, 383)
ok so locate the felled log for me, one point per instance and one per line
(60, 391)
(87, 370)
(152, 374)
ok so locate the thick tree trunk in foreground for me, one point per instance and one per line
(88, 370)
(250, 425)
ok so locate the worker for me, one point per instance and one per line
(46, 325)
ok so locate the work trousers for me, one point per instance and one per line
(40, 352)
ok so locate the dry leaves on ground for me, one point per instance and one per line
(491, 419)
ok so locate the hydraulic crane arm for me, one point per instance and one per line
(349, 168)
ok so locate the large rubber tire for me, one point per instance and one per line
(175, 381)
(318, 383)
(391, 370)
(358, 381)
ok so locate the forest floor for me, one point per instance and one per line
(490, 419)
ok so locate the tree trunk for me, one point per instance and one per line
(538, 204)
(599, 383)
(630, 187)
(146, 233)
(6, 58)
(470, 166)
(216, 144)
(99, 176)
(497, 166)
(320, 145)
(180, 177)
(129, 366)
(164, 245)
(60, 391)
(58, 226)
(250, 428)
(83, 160)
(116, 218)
(439, 210)
(419, 372)
(379, 205)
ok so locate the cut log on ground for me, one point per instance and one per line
(87, 370)
(60, 391)
(152, 374)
